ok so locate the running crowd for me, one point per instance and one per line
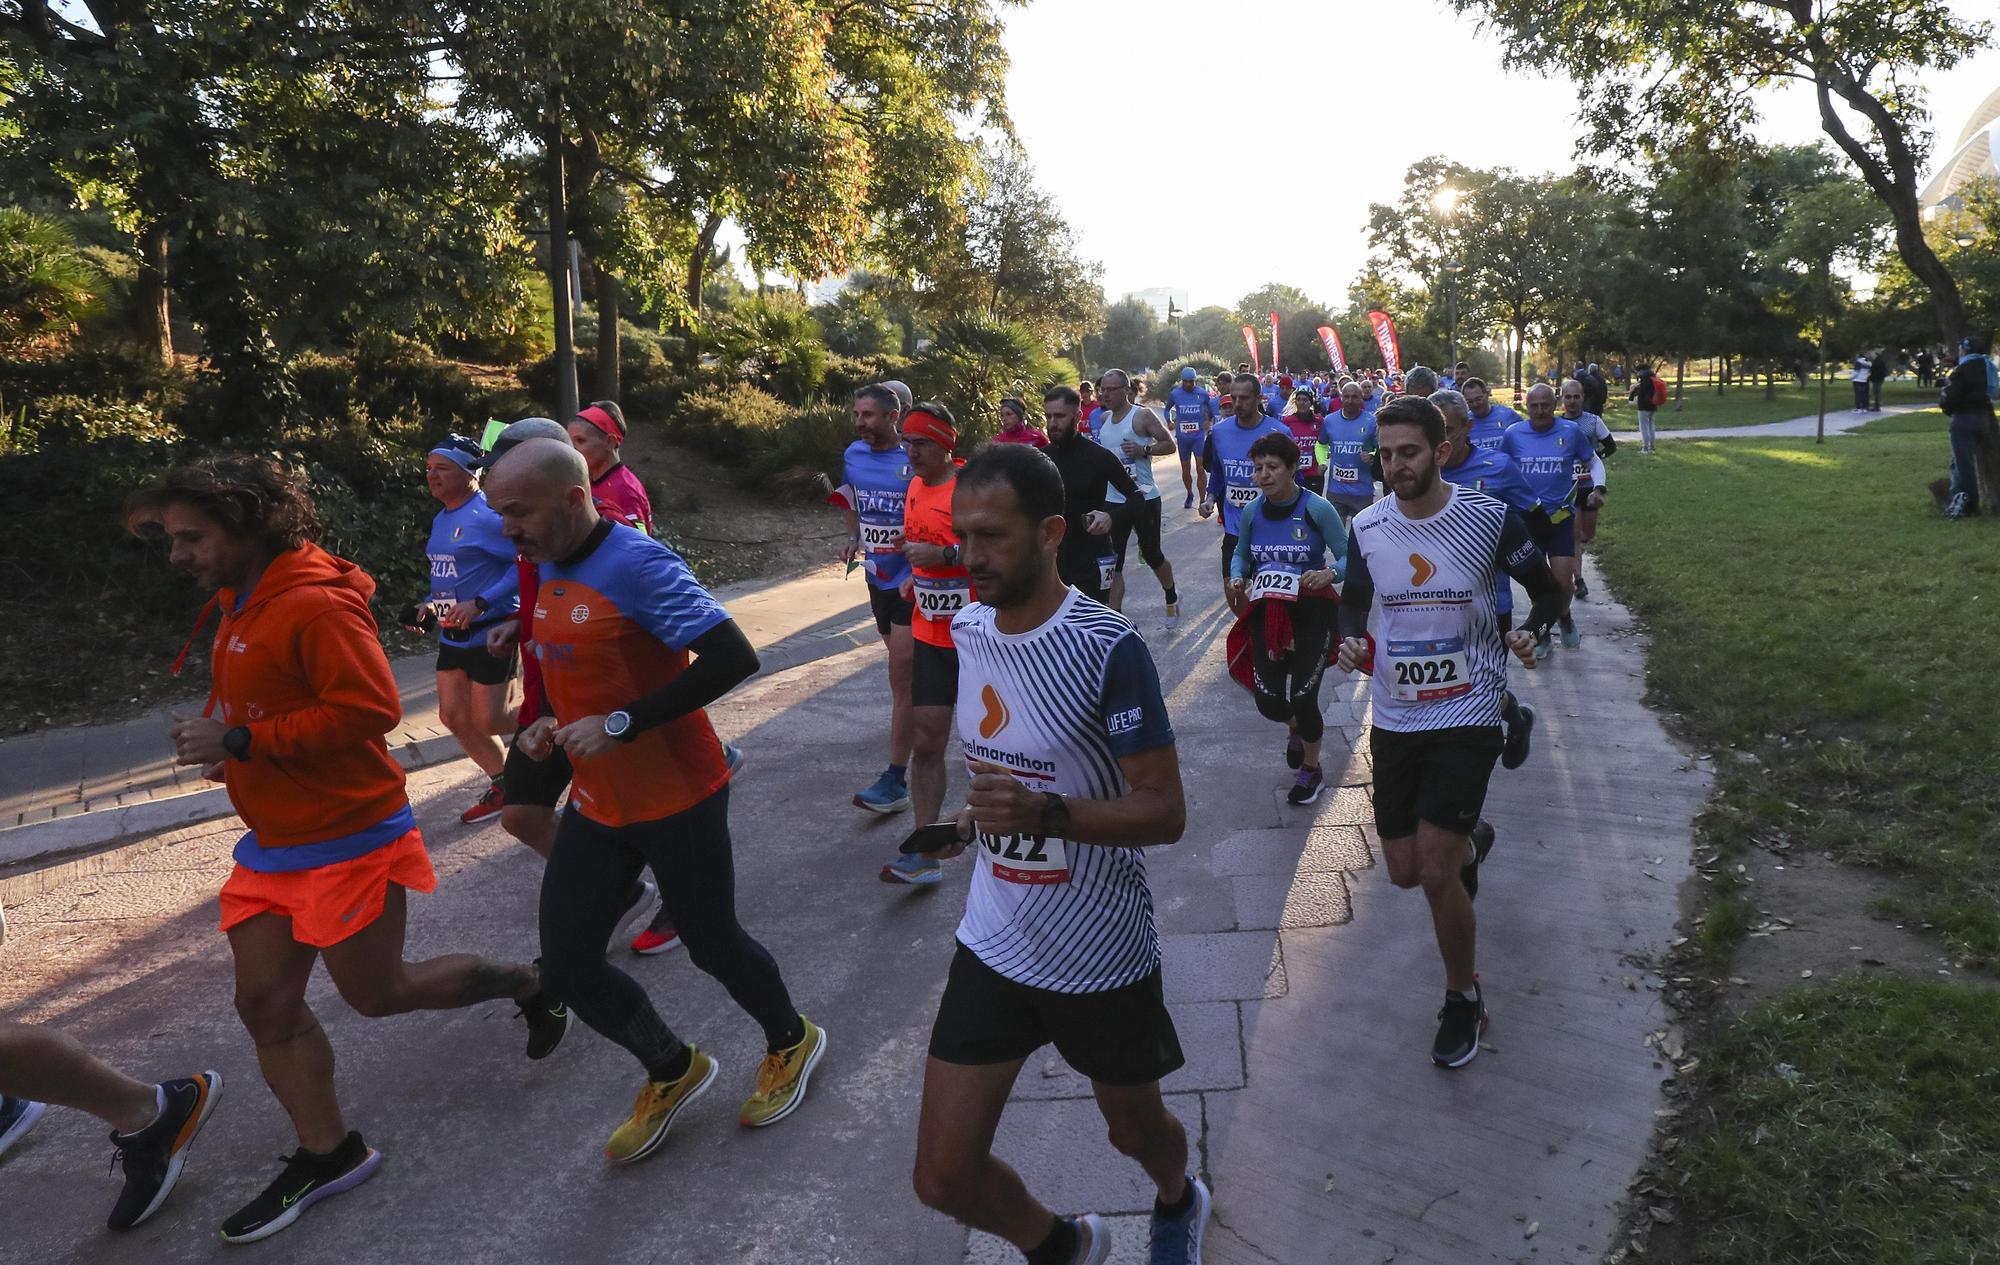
(997, 584)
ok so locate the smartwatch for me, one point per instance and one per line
(482, 604)
(1055, 815)
(619, 725)
(237, 742)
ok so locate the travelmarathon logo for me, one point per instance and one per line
(1010, 759)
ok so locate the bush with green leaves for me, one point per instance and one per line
(972, 364)
(773, 343)
(48, 284)
(725, 424)
(71, 422)
(1168, 376)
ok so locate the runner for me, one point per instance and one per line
(875, 479)
(1089, 475)
(1560, 466)
(1282, 575)
(1597, 433)
(1437, 660)
(1192, 411)
(599, 434)
(1301, 417)
(1014, 428)
(1135, 435)
(1073, 776)
(151, 1125)
(1489, 420)
(1231, 479)
(1349, 433)
(1493, 472)
(1087, 410)
(938, 586)
(301, 698)
(473, 587)
(619, 615)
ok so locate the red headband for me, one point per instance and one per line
(932, 427)
(603, 421)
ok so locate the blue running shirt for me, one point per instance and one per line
(470, 557)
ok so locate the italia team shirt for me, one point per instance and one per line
(878, 482)
(1349, 440)
(1058, 706)
(1493, 472)
(613, 622)
(1550, 460)
(471, 557)
(1227, 459)
(1486, 431)
(1190, 412)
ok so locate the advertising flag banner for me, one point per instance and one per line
(1250, 341)
(1385, 338)
(1334, 351)
(1275, 362)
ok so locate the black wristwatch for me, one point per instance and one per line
(618, 725)
(1055, 815)
(237, 742)
(482, 604)
(951, 555)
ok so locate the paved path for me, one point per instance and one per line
(1838, 422)
(1304, 985)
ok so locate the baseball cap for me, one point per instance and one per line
(460, 450)
(1188, 374)
(518, 433)
(902, 390)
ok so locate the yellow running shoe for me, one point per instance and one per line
(658, 1104)
(781, 1081)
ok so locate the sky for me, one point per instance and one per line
(1237, 77)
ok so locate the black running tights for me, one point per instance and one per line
(1288, 687)
(584, 890)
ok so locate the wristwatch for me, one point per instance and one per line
(619, 725)
(951, 555)
(1055, 815)
(237, 742)
(481, 604)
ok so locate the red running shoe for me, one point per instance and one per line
(489, 804)
(649, 942)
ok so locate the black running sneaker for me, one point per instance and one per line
(1520, 730)
(548, 1023)
(1460, 1024)
(1582, 589)
(153, 1156)
(307, 1179)
(1306, 786)
(1482, 843)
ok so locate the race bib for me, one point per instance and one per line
(1106, 569)
(441, 606)
(1191, 428)
(1428, 671)
(1346, 474)
(1275, 581)
(941, 598)
(1238, 497)
(882, 537)
(1031, 860)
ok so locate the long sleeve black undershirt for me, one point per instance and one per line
(723, 659)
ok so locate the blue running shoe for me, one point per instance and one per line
(1571, 638)
(17, 1116)
(734, 756)
(918, 871)
(890, 794)
(1177, 1240)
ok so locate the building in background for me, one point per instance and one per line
(1975, 156)
(1158, 298)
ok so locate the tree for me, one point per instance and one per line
(47, 283)
(1214, 330)
(1128, 339)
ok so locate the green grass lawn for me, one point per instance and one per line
(1809, 607)
(1746, 405)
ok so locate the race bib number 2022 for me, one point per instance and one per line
(1428, 671)
(1034, 860)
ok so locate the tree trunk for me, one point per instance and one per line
(1770, 384)
(1520, 339)
(566, 401)
(698, 263)
(1680, 384)
(155, 306)
(607, 332)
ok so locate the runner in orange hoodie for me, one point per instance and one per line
(295, 723)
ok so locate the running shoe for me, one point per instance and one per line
(1173, 615)
(548, 1021)
(733, 756)
(17, 1116)
(639, 913)
(489, 804)
(781, 1081)
(916, 870)
(1093, 1239)
(153, 1156)
(1177, 1240)
(1542, 648)
(889, 794)
(1571, 637)
(1295, 752)
(659, 1103)
(1482, 843)
(1306, 787)
(1582, 588)
(307, 1179)
(1514, 752)
(1189, 503)
(650, 942)
(1460, 1024)
(1956, 507)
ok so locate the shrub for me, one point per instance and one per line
(797, 452)
(847, 374)
(71, 421)
(1168, 376)
(47, 283)
(724, 424)
(972, 363)
(774, 342)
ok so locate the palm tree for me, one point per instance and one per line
(47, 284)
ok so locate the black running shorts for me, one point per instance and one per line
(1122, 1036)
(478, 664)
(536, 782)
(1434, 775)
(891, 611)
(1142, 517)
(933, 675)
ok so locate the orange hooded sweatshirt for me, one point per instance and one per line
(301, 667)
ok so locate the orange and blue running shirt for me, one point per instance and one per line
(941, 592)
(612, 623)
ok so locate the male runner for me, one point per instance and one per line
(472, 588)
(1089, 475)
(1493, 472)
(1283, 575)
(1135, 435)
(1573, 396)
(1489, 420)
(1425, 559)
(938, 587)
(151, 1125)
(618, 616)
(875, 478)
(1562, 469)
(1192, 411)
(1349, 433)
(302, 695)
(1074, 774)
(1231, 474)
(599, 434)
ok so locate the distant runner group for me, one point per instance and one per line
(996, 582)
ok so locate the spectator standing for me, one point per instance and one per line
(1878, 373)
(1926, 365)
(1967, 399)
(1647, 394)
(1859, 377)
(1596, 391)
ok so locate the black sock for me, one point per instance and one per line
(674, 1068)
(1178, 1208)
(1173, 596)
(792, 1036)
(1510, 709)
(1059, 1248)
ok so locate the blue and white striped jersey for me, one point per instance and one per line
(1058, 706)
